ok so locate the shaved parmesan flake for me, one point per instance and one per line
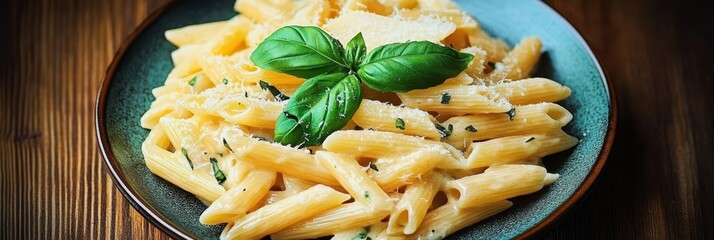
(390, 30)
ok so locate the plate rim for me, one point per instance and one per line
(150, 213)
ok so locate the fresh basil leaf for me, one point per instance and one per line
(319, 107)
(402, 67)
(303, 52)
(356, 51)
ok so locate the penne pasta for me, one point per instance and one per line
(412, 207)
(496, 184)
(351, 176)
(346, 216)
(235, 203)
(464, 99)
(528, 119)
(519, 62)
(448, 219)
(273, 217)
(532, 91)
(412, 163)
(194, 34)
(275, 157)
(383, 117)
(518, 148)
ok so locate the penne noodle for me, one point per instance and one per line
(194, 34)
(273, 217)
(464, 99)
(528, 119)
(279, 158)
(363, 189)
(235, 203)
(519, 62)
(411, 209)
(448, 219)
(532, 91)
(418, 164)
(518, 148)
(382, 117)
(346, 216)
(496, 184)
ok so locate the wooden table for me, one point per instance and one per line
(657, 183)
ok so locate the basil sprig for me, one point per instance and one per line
(332, 94)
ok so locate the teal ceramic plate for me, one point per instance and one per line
(143, 62)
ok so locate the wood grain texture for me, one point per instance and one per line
(657, 183)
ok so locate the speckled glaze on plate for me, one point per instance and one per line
(143, 61)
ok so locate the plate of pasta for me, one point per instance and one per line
(354, 119)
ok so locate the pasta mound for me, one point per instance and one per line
(477, 139)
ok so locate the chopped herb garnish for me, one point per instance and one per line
(225, 144)
(243, 189)
(530, 139)
(185, 154)
(370, 129)
(471, 128)
(373, 166)
(366, 194)
(511, 114)
(444, 131)
(217, 173)
(399, 123)
(273, 90)
(220, 154)
(225, 81)
(245, 93)
(445, 98)
(193, 81)
(261, 138)
(361, 235)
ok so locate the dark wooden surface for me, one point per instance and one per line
(657, 183)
